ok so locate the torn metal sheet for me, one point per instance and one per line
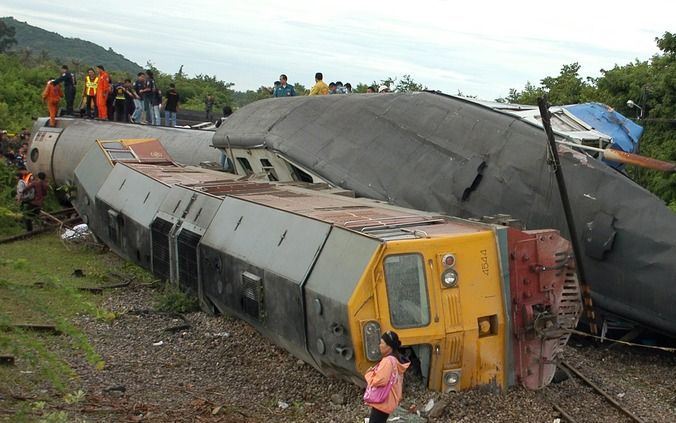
(420, 150)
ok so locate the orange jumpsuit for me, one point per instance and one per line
(52, 95)
(102, 94)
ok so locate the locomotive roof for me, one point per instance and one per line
(316, 201)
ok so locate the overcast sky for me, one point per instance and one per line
(480, 48)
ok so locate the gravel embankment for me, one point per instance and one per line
(222, 370)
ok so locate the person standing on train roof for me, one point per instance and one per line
(52, 95)
(102, 92)
(385, 380)
(139, 85)
(90, 89)
(209, 107)
(120, 102)
(68, 80)
(171, 106)
(320, 87)
(284, 89)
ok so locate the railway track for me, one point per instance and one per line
(50, 221)
(590, 402)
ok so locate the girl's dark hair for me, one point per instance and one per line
(392, 339)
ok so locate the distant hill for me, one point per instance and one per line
(66, 50)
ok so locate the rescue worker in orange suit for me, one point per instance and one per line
(102, 92)
(91, 87)
(52, 95)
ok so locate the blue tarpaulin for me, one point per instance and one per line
(624, 132)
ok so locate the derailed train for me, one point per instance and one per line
(322, 274)
(451, 155)
(438, 153)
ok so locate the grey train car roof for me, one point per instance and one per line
(186, 146)
(445, 154)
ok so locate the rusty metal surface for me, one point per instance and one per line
(150, 151)
(347, 212)
(338, 210)
(546, 302)
(171, 174)
(637, 160)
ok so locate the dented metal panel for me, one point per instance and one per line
(93, 170)
(133, 194)
(286, 245)
(342, 246)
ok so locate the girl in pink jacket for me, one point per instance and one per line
(389, 371)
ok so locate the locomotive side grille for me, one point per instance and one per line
(252, 295)
(187, 259)
(570, 306)
(160, 241)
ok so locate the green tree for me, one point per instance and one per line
(300, 89)
(566, 88)
(20, 91)
(529, 95)
(667, 43)
(241, 99)
(651, 84)
(404, 84)
(407, 84)
(7, 34)
(360, 88)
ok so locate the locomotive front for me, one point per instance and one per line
(472, 304)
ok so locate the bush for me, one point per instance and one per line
(171, 299)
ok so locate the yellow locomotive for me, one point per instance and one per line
(323, 275)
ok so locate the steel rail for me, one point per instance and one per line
(610, 399)
(565, 415)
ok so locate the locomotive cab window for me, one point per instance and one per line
(407, 290)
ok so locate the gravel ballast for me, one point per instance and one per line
(221, 370)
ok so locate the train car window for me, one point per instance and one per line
(407, 290)
(299, 175)
(113, 145)
(121, 155)
(269, 169)
(245, 165)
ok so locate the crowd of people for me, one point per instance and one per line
(123, 101)
(142, 101)
(283, 89)
(30, 191)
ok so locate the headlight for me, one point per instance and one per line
(448, 260)
(449, 278)
(451, 380)
(371, 335)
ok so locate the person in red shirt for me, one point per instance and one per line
(51, 95)
(102, 92)
(38, 189)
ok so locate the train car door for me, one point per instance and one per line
(409, 305)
